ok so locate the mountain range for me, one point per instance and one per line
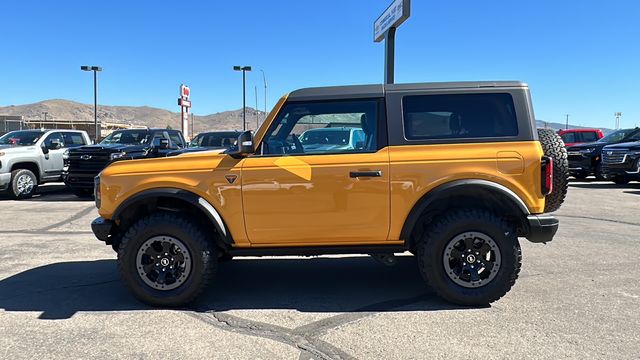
(136, 115)
(155, 117)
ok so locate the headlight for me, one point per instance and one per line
(117, 155)
(587, 150)
(96, 190)
(65, 154)
(1, 153)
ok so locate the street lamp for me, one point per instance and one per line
(244, 69)
(617, 115)
(95, 70)
(264, 80)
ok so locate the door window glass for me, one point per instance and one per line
(323, 128)
(73, 139)
(589, 136)
(52, 137)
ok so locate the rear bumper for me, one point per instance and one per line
(542, 228)
(102, 228)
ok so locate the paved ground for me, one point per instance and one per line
(577, 297)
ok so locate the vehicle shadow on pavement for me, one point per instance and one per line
(603, 185)
(348, 284)
(50, 192)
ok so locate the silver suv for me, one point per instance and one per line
(32, 157)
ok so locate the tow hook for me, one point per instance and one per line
(385, 259)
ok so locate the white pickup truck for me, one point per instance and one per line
(32, 157)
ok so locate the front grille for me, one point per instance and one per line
(575, 157)
(88, 161)
(614, 156)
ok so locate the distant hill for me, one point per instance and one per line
(138, 115)
(154, 117)
(559, 126)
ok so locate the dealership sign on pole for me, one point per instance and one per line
(185, 104)
(384, 28)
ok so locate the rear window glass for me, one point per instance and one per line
(459, 116)
(589, 136)
(568, 137)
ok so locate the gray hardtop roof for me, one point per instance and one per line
(378, 90)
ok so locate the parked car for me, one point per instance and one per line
(82, 164)
(621, 162)
(437, 175)
(32, 157)
(577, 136)
(332, 139)
(586, 159)
(215, 139)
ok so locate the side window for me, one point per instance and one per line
(72, 139)
(323, 128)
(54, 136)
(589, 136)
(458, 116)
(569, 137)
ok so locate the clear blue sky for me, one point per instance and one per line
(580, 57)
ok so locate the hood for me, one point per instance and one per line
(193, 150)
(15, 149)
(624, 146)
(185, 162)
(597, 145)
(110, 148)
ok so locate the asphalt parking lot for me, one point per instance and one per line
(577, 297)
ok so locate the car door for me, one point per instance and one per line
(53, 161)
(328, 194)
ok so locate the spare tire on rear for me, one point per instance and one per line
(553, 147)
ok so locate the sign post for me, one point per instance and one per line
(185, 104)
(384, 28)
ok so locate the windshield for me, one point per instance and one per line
(617, 136)
(128, 137)
(21, 138)
(325, 137)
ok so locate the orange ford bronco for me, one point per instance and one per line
(454, 173)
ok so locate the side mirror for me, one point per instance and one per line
(164, 144)
(245, 145)
(45, 149)
(55, 144)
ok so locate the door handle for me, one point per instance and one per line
(359, 174)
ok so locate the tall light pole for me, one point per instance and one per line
(45, 115)
(617, 115)
(264, 80)
(95, 70)
(257, 111)
(244, 69)
(567, 124)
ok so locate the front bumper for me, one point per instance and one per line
(103, 229)
(542, 228)
(5, 180)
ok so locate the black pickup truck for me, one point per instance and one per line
(84, 163)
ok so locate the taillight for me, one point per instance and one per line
(546, 175)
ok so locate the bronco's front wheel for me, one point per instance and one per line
(165, 259)
(470, 257)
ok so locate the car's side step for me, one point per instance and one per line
(317, 250)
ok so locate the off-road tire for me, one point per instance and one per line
(14, 192)
(553, 147)
(181, 227)
(432, 245)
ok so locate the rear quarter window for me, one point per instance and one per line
(455, 116)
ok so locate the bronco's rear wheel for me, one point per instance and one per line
(553, 147)
(165, 259)
(470, 257)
